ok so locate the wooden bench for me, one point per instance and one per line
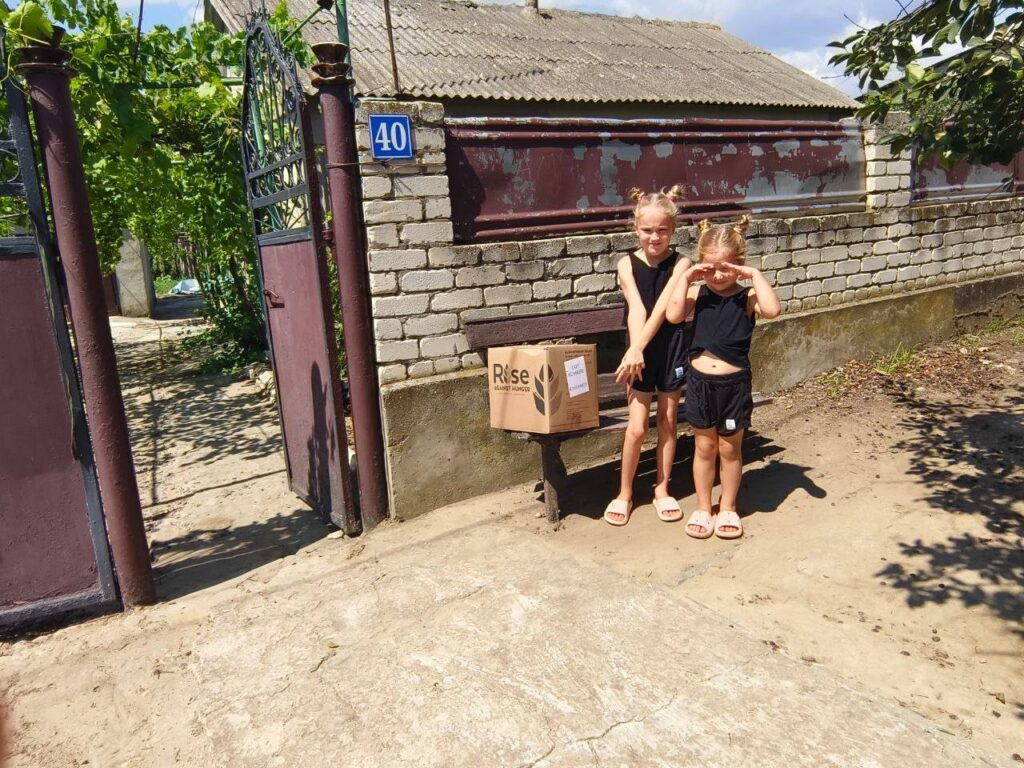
(614, 413)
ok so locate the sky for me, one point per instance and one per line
(797, 31)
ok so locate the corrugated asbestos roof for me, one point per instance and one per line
(456, 49)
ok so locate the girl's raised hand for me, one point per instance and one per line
(742, 271)
(698, 272)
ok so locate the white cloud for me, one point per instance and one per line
(798, 32)
(190, 11)
(132, 6)
(815, 61)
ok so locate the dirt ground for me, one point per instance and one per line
(884, 544)
(884, 537)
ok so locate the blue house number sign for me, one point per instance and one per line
(390, 137)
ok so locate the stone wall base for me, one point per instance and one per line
(441, 449)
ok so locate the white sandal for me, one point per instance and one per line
(728, 518)
(618, 507)
(668, 509)
(702, 519)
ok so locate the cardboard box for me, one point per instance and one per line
(543, 389)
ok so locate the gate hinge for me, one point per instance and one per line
(328, 236)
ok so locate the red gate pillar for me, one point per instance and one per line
(342, 176)
(49, 80)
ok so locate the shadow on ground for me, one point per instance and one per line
(763, 489)
(166, 408)
(204, 557)
(177, 307)
(969, 463)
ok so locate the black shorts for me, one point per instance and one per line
(666, 361)
(723, 402)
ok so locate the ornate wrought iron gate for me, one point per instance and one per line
(54, 558)
(284, 195)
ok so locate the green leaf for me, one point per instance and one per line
(29, 21)
(914, 72)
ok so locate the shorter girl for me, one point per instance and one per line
(718, 391)
(655, 361)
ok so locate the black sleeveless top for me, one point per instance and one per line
(650, 282)
(722, 326)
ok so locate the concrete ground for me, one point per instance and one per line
(870, 617)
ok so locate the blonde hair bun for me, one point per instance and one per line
(675, 192)
(727, 237)
(663, 201)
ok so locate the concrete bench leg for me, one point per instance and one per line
(554, 475)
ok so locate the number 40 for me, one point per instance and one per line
(392, 138)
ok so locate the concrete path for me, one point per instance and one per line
(452, 640)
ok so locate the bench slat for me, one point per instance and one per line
(523, 329)
(608, 391)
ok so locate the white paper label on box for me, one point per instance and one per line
(576, 375)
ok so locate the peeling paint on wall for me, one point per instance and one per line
(786, 148)
(614, 152)
(663, 149)
(933, 182)
(522, 177)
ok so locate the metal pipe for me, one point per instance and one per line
(654, 123)
(622, 224)
(476, 134)
(579, 215)
(391, 46)
(49, 89)
(346, 222)
(341, 17)
(302, 24)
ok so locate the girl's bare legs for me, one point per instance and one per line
(730, 449)
(636, 431)
(668, 408)
(705, 457)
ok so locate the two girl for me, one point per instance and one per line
(715, 361)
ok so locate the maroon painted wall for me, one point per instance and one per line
(45, 549)
(532, 177)
(964, 181)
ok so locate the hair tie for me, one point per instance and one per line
(675, 192)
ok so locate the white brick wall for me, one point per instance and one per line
(426, 288)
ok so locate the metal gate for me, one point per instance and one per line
(284, 195)
(54, 557)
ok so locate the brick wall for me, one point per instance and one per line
(425, 288)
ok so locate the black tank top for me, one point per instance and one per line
(650, 282)
(722, 326)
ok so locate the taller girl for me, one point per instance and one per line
(655, 361)
(718, 391)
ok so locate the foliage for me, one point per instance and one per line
(162, 284)
(160, 133)
(27, 24)
(1012, 327)
(899, 360)
(967, 106)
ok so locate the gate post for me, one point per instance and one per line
(49, 80)
(342, 176)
